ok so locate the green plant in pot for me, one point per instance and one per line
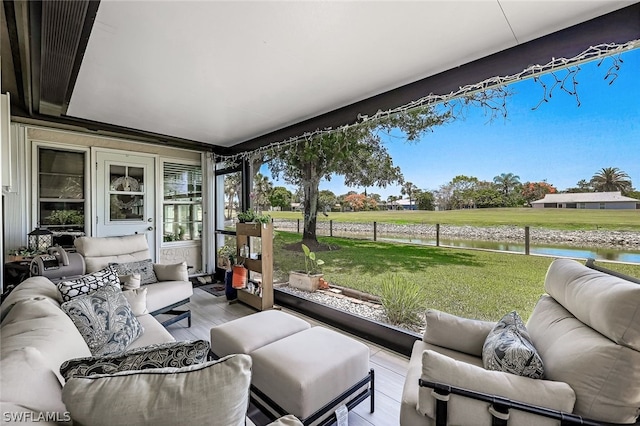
(309, 279)
(225, 254)
(246, 216)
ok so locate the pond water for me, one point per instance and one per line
(597, 253)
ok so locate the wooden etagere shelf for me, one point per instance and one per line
(263, 265)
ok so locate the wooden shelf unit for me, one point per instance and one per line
(264, 265)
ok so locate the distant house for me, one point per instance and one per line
(406, 204)
(587, 200)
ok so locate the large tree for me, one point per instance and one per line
(611, 179)
(281, 197)
(356, 152)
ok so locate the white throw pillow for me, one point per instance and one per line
(130, 282)
(137, 299)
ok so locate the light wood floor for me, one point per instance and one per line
(390, 367)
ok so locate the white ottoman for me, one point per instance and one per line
(305, 372)
(246, 334)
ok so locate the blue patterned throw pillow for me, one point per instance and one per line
(173, 354)
(105, 320)
(88, 283)
(508, 348)
(142, 267)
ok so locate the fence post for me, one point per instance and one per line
(375, 231)
(526, 240)
(331, 227)
(298, 226)
(437, 235)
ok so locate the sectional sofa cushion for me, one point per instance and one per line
(40, 323)
(508, 348)
(88, 283)
(142, 267)
(212, 393)
(453, 332)
(40, 287)
(29, 381)
(174, 354)
(105, 320)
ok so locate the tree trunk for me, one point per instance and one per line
(310, 185)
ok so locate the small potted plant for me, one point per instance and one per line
(246, 216)
(21, 253)
(225, 261)
(309, 279)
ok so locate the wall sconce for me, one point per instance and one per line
(40, 240)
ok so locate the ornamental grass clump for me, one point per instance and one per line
(402, 299)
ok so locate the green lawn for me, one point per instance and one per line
(470, 283)
(568, 219)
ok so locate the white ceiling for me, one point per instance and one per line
(223, 72)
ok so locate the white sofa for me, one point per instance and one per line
(36, 337)
(173, 288)
(586, 329)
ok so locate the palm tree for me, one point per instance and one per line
(391, 201)
(262, 188)
(408, 188)
(506, 182)
(231, 189)
(611, 179)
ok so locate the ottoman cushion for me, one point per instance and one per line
(244, 335)
(305, 371)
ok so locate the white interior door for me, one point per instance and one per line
(125, 196)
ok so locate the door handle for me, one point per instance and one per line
(150, 228)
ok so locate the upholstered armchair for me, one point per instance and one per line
(586, 331)
(167, 286)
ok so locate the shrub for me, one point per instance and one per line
(402, 299)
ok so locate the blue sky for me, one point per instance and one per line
(559, 142)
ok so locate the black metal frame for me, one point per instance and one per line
(500, 404)
(273, 410)
(170, 310)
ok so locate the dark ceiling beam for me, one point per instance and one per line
(620, 27)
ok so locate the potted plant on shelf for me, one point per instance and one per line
(309, 279)
(246, 216)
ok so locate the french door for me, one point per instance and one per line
(125, 196)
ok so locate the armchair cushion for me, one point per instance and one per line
(457, 333)
(98, 252)
(605, 376)
(142, 267)
(105, 320)
(440, 368)
(176, 272)
(508, 348)
(213, 393)
(604, 302)
(174, 354)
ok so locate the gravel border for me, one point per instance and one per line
(365, 309)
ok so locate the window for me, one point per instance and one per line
(182, 204)
(602, 206)
(582, 206)
(61, 190)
